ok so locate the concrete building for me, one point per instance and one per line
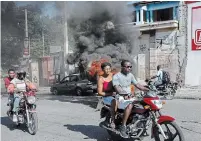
(163, 39)
(193, 67)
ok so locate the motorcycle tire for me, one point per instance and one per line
(156, 132)
(33, 128)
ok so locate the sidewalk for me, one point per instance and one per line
(189, 93)
(43, 90)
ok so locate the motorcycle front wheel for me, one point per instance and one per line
(170, 94)
(33, 123)
(171, 130)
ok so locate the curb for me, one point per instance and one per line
(186, 97)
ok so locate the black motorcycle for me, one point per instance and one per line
(27, 112)
(167, 90)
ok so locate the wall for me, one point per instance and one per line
(34, 73)
(193, 68)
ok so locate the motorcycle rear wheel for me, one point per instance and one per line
(33, 125)
(171, 137)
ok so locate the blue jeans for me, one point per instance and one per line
(108, 99)
(16, 103)
(158, 83)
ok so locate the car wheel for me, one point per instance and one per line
(78, 91)
(55, 91)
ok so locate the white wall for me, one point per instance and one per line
(193, 68)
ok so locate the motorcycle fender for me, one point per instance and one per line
(160, 120)
(165, 118)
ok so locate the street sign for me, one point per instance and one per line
(26, 43)
(196, 28)
(198, 37)
(26, 51)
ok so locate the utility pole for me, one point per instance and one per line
(29, 46)
(26, 52)
(43, 44)
(26, 25)
(65, 68)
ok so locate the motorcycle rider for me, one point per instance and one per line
(122, 82)
(17, 85)
(159, 76)
(7, 80)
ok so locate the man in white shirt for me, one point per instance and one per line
(19, 84)
(159, 76)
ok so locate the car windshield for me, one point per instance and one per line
(65, 79)
(74, 78)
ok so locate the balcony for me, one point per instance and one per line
(158, 25)
(154, 25)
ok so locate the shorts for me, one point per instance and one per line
(108, 99)
(125, 103)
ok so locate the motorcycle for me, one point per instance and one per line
(167, 90)
(27, 112)
(145, 112)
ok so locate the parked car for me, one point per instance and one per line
(73, 84)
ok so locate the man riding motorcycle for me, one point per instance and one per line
(121, 82)
(159, 76)
(17, 85)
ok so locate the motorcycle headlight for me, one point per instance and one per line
(31, 99)
(158, 103)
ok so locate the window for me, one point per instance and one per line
(144, 15)
(65, 79)
(73, 78)
(163, 14)
(134, 17)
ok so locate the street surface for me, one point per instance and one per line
(68, 118)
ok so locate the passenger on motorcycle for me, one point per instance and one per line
(17, 85)
(121, 82)
(7, 80)
(106, 90)
(159, 76)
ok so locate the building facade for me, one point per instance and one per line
(193, 67)
(163, 40)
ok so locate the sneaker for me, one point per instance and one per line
(122, 131)
(14, 118)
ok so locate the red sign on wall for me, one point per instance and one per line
(196, 28)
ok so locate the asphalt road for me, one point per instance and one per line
(67, 118)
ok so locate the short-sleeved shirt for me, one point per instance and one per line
(19, 84)
(124, 81)
(160, 75)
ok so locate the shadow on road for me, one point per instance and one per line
(91, 131)
(90, 101)
(95, 132)
(5, 121)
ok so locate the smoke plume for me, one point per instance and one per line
(102, 31)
